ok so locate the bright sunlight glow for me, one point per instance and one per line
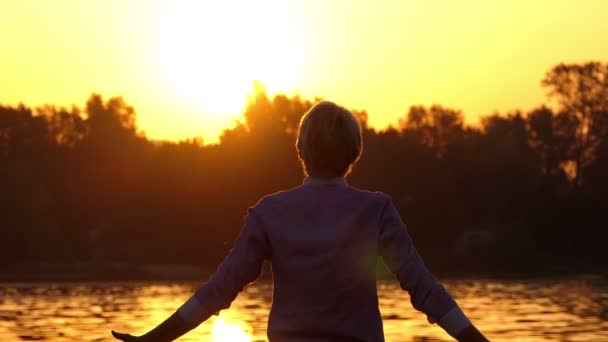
(229, 332)
(211, 52)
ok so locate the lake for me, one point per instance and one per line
(560, 309)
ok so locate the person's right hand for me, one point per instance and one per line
(126, 337)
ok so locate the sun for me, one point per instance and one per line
(211, 52)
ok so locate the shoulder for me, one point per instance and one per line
(375, 196)
(275, 200)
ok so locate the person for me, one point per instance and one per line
(322, 239)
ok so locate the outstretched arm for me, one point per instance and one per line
(169, 330)
(426, 293)
(242, 266)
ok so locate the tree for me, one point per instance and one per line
(552, 136)
(111, 117)
(66, 127)
(581, 91)
(435, 127)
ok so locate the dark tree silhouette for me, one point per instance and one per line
(84, 186)
(436, 126)
(582, 93)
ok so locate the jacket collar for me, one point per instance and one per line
(321, 181)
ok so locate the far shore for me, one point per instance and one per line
(119, 271)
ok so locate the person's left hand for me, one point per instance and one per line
(126, 337)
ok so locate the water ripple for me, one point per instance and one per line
(506, 310)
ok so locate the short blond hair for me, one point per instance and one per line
(329, 140)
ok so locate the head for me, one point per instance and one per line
(329, 141)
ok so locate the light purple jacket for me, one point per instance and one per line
(323, 239)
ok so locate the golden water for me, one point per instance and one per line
(505, 310)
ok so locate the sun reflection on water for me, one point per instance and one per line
(531, 310)
(224, 331)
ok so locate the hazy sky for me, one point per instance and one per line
(186, 66)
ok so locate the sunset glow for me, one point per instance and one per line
(211, 52)
(187, 66)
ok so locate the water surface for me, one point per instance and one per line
(506, 310)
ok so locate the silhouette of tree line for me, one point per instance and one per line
(519, 192)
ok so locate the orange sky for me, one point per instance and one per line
(187, 65)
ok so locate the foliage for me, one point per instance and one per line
(85, 185)
(582, 93)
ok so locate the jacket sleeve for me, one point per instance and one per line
(400, 255)
(241, 266)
